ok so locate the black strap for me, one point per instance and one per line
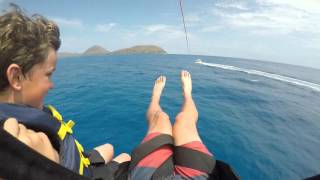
(148, 147)
(223, 171)
(193, 159)
(165, 170)
(95, 157)
(316, 177)
(18, 161)
(1, 123)
(104, 171)
(122, 172)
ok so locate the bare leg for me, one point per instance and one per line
(158, 120)
(123, 157)
(184, 128)
(107, 152)
(159, 123)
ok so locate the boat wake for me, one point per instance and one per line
(278, 77)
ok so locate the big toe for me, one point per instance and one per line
(185, 74)
(161, 80)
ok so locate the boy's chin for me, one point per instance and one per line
(37, 106)
(40, 106)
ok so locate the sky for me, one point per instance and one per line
(286, 31)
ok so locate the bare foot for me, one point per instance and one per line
(158, 120)
(186, 84)
(158, 88)
(156, 94)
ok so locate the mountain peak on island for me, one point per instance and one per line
(99, 50)
(141, 49)
(96, 50)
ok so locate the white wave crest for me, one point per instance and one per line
(278, 77)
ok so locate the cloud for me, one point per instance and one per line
(310, 6)
(73, 23)
(193, 19)
(233, 5)
(163, 30)
(270, 16)
(211, 28)
(105, 27)
(156, 27)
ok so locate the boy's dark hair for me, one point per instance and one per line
(25, 41)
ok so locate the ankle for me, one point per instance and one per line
(155, 98)
(187, 97)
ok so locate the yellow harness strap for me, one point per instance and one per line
(67, 128)
(83, 160)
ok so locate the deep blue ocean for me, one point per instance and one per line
(262, 118)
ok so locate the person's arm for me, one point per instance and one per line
(38, 141)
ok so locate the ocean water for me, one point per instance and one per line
(262, 118)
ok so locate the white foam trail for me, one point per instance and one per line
(278, 77)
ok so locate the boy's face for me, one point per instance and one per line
(38, 81)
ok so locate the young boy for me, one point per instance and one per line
(28, 58)
(28, 55)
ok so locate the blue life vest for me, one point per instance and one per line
(50, 122)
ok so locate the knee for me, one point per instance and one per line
(124, 157)
(162, 116)
(180, 117)
(106, 151)
(106, 147)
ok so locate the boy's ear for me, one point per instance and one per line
(15, 76)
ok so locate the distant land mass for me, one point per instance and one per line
(142, 49)
(98, 50)
(68, 54)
